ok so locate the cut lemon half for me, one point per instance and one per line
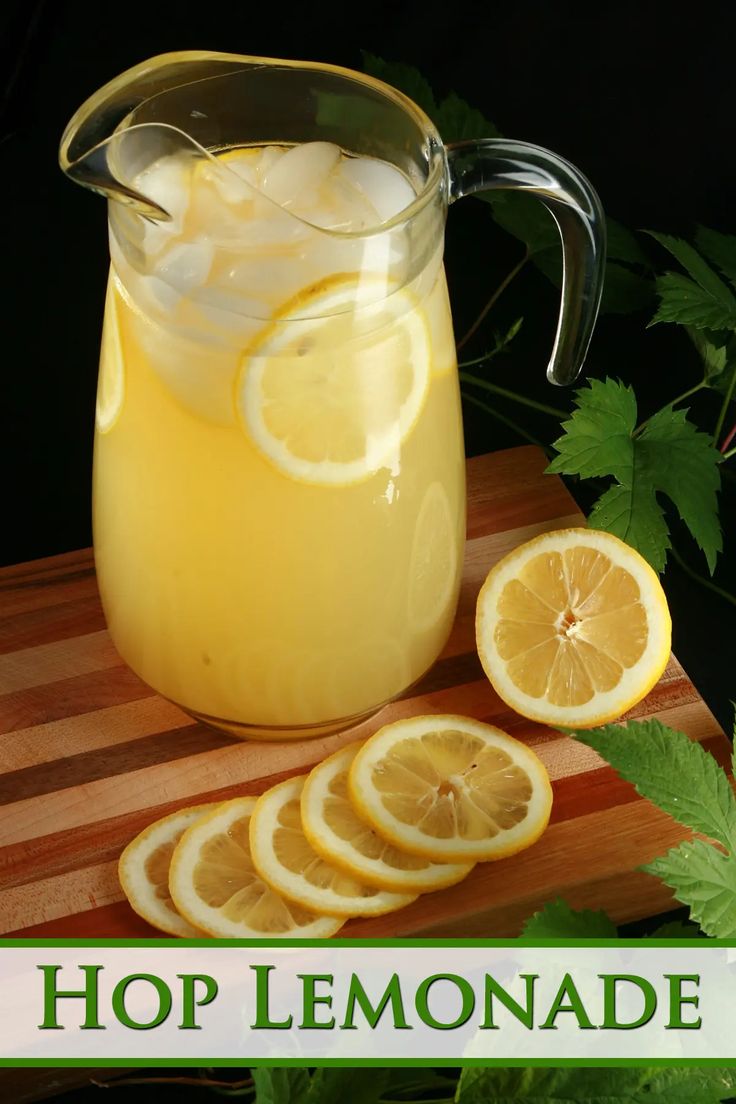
(331, 389)
(342, 838)
(285, 858)
(214, 884)
(451, 789)
(573, 628)
(111, 380)
(143, 870)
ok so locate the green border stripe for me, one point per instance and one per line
(93, 1062)
(582, 944)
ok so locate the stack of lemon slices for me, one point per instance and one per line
(409, 811)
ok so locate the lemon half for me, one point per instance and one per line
(573, 628)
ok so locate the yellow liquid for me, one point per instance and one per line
(251, 595)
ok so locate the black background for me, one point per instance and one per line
(639, 95)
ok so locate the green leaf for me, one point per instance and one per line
(597, 436)
(676, 929)
(711, 348)
(603, 1085)
(631, 512)
(404, 77)
(280, 1085)
(670, 770)
(704, 879)
(682, 300)
(557, 920)
(336, 1086)
(622, 245)
(668, 456)
(527, 219)
(681, 462)
(698, 269)
(720, 249)
(456, 121)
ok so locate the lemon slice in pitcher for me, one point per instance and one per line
(111, 381)
(573, 628)
(331, 389)
(451, 789)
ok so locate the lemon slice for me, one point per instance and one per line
(111, 381)
(284, 858)
(451, 789)
(338, 834)
(573, 628)
(213, 883)
(433, 571)
(331, 389)
(143, 870)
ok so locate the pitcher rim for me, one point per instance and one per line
(437, 166)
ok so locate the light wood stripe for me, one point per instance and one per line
(70, 697)
(50, 898)
(62, 659)
(76, 735)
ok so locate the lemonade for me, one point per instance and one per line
(279, 473)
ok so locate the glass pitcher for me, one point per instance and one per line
(279, 494)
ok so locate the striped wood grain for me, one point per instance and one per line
(89, 755)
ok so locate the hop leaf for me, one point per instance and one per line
(558, 921)
(668, 456)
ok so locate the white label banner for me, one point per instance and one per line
(342, 1002)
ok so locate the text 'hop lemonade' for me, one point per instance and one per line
(279, 508)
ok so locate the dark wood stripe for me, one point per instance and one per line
(74, 771)
(453, 671)
(106, 922)
(61, 568)
(70, 697)
(50, 623)
(73, 849)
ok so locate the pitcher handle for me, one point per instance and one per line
(493, 164)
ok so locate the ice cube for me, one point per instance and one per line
(233, 179)
(302, 170)
(269, 156)
(186, 265)
(243, 162)
(383, 185)
(343, 208)
(166, 182)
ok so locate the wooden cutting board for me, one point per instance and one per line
(89, 755)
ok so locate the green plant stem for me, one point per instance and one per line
(494, 298)
(199, 1082)
(700, 578)
(466, 377)
(506, 421)
(731, 452)
(673, 402)
(478, 360)
(724, 408)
